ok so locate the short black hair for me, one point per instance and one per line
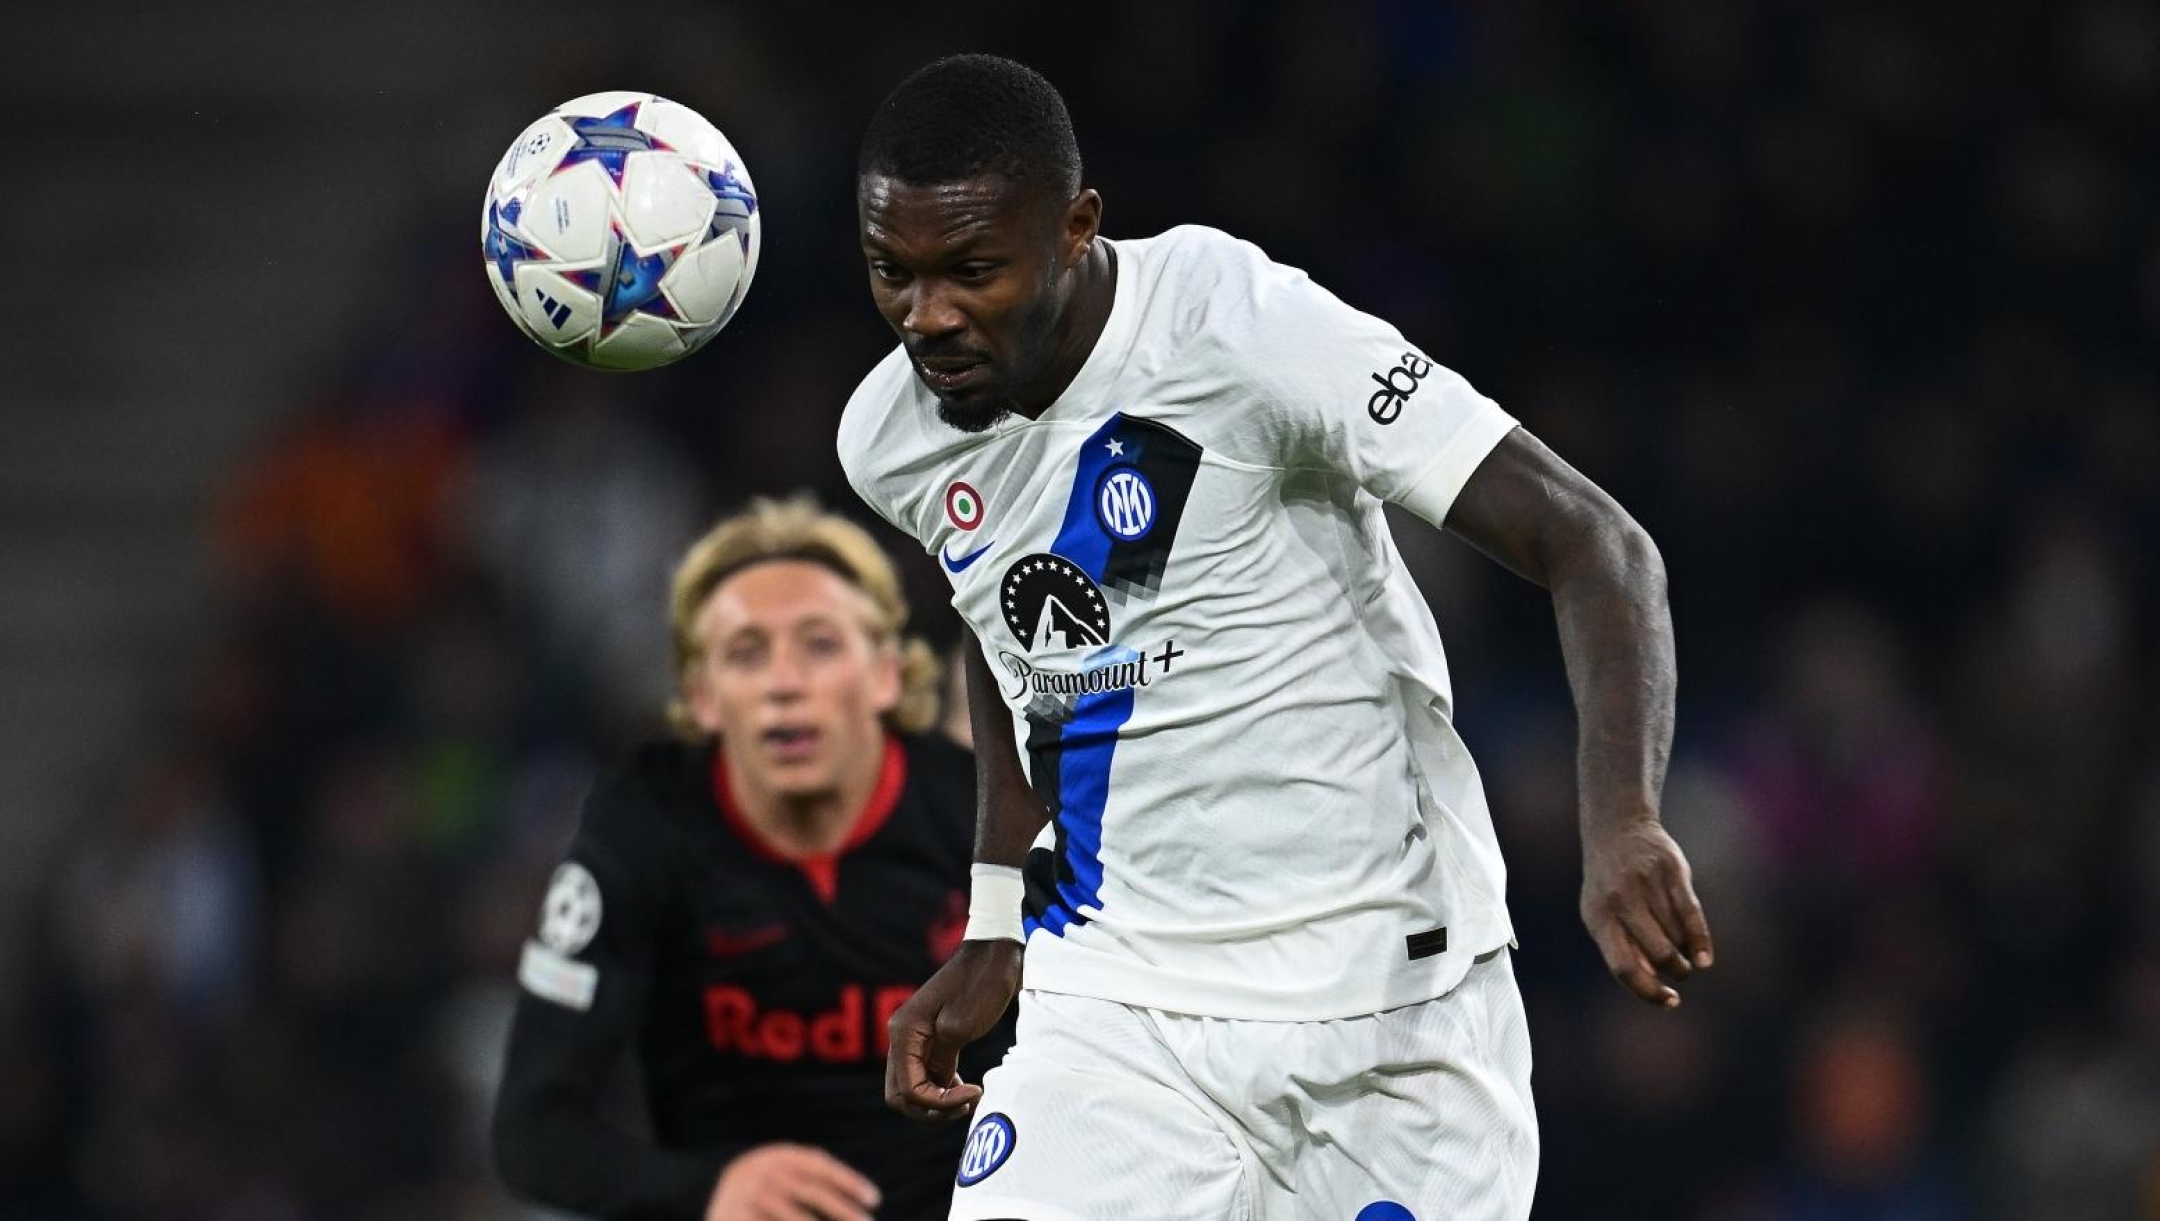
(966, 115)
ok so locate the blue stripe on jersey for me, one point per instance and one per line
(1079, 539)
(1086, 743)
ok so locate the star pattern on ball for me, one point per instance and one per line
(629, 284)
(608, 142)
(734, 203)
(501, 248)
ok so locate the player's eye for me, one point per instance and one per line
(890, 273)
(742, 656)
(824, 646)
(974, 273)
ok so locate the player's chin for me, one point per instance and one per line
(801, 781)
(973, 409)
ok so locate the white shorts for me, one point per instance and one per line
(1102, 1110)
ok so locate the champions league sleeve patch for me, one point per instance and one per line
(569, 919)
(570, 915)
(988, 1146)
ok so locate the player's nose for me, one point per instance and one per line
(784, 674)
(931, 311)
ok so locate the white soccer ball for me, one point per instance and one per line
(620, 231)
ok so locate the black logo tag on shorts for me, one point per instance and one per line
(1427, 944)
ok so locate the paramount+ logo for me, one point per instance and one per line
(1396, 387)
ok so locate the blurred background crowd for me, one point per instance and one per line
(328, 593)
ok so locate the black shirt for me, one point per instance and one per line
(755, 988)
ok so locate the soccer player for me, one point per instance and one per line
(1267, 966)
(748, 906)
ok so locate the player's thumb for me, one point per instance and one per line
(942, 1057)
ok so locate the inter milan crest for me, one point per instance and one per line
(1125, 504)
(1050, 603)
(988, 1145)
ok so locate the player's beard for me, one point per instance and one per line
(1035, 348)
(978, 414)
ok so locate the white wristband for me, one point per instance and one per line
(994, 904)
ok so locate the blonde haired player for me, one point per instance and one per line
(747, 905)
(798, 530)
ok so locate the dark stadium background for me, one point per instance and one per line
(322, 593)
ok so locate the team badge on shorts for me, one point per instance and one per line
(1384, 1210)
(987, 1148)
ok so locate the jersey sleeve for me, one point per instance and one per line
(1342, 390)
(584, 978)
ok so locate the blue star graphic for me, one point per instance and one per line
(733, 205)
(502, 249)
(631, 284)
(608, 140)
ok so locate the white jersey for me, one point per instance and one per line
(1230, 695)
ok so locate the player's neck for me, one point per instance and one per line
(812, 823)
(1086, 313)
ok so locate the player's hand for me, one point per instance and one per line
(791, 1183)
(953, 1008)
(1638, 901)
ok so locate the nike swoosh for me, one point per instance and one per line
(726, 944)
(960, 565)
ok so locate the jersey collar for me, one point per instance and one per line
(821, 869)
(1083, 398)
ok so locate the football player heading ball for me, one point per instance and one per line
(1266, 945)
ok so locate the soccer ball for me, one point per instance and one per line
(620, 231)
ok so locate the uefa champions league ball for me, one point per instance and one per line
(620, 231)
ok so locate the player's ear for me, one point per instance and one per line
(1083, 220)
(885, 677)
(698, 700)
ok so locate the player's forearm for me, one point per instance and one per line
(1541, 518)
(1008, 814)
(569, 1160)
(553, 1146)
(1616, 635)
